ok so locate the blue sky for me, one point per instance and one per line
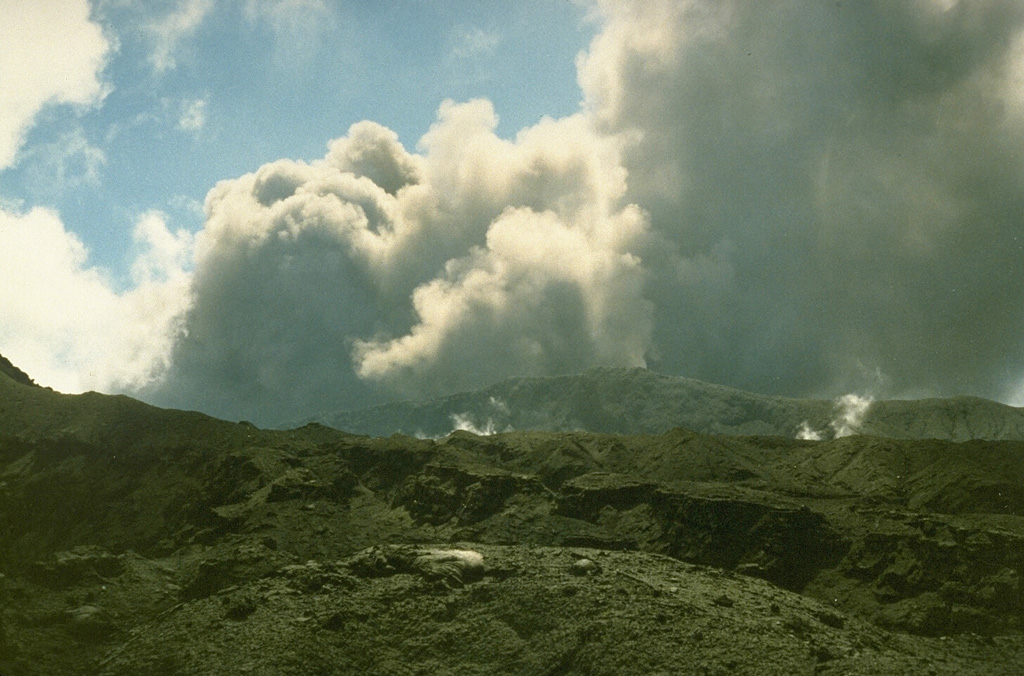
(200, 91)
(267, 208)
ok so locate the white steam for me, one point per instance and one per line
(851, 409)
(492, 421)
(463, 422)
(849, 412)
(808, 433)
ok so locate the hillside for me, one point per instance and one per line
(140, 540)
(638, 401)
(13, 372)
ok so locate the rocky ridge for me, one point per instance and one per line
(140, 540)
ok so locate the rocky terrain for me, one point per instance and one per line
(638, 401)
(137, 540)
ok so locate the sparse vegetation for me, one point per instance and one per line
(140, 540)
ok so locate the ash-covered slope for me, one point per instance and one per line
(638, 401)
(140, 540)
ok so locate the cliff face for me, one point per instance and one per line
(140, 540)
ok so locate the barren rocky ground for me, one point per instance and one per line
(140, 540)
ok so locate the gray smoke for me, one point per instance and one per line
(837, 188)
(799, 198)
(376, 272)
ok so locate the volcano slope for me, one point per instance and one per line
(140, 540)
(639, 401)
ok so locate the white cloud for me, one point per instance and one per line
(161, 256)
(542, 293)
(62, 320)
(193, 115)
(187, 207)
(51, 53)
(170, 31)
(299, 26)
(68, 162)
(472, 42)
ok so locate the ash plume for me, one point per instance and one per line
(789, 199)
(800, 199)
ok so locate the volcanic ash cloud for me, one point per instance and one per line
(782, 198)
(837, 187)
(376, 269)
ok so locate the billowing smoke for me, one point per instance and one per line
(375, 271)
(834, 192)
(836, 188)
(800, 198)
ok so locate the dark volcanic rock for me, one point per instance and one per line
(527, 613)
(439, 493)
(84, 562)
(139, 540)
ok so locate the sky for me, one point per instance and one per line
(266, 209)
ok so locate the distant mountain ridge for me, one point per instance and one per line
(639, 401)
